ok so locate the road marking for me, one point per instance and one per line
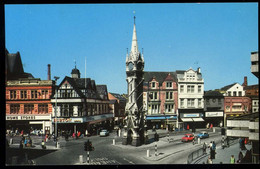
(129, 161)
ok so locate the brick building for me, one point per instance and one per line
(117, 107)
(160, 98)
(28, 103)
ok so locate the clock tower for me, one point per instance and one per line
(135, 130)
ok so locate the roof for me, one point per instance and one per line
(118, 96)
(75, 71)
(102, 91)
(256, 86)
(213, 93)
(225, 88)
(159, 76)
(14, 66)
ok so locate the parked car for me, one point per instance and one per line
(187, 138)
(104, 133)
(203, 134)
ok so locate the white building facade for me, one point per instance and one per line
(190, 98)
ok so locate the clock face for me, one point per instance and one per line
(140, 65)
(130, 66)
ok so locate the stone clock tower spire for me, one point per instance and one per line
(135, 120)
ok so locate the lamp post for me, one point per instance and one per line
(56, 125)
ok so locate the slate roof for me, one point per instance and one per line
(213, 93)
(251, 87)
(225, 88)
(102, 91)
(159, 76)
(118, 96)
(14, 66)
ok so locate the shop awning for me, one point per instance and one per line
(187, 119)
(198, 119)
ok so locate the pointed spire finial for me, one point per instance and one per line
(134, 16)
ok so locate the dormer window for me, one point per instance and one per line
(153, 84)
(168, 84)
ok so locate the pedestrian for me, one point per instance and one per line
(73, 135)
(227, 141)
(240, 157)
(43, 145)
(232, 159)
(207, 126)
(209, 161)
(79, 134)
(86, 133)
(211, 126)
(204, 148)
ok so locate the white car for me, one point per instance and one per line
(103, 133)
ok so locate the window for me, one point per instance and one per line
(219, 101)
(182, 89)
(199, 102)
(234, 93)
(207, 101)
(199, 89)
(44, 94)
(153, 84)
(23, 94)
(155, 95)
(12, 94)
(239, 93)
(151, 96)
(169, 108)
(229, 93)
(169, 96)
(34, 94)
(168, 84)
(28, 108)
(227, 107)
(190, 102)
(190, 89)
(14, 108)
(182, 103)
(43, 108)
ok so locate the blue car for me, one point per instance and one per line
(203, 134)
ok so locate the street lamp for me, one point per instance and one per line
(56, 125)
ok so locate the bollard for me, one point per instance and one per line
(119, 132)
(80, 159)
(11, 141)
(114, 141)
(88, 157)
(198, 140)
(58, 145)
(148, 153)
(155, 148)
(214, 130)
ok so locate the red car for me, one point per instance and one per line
(187, 137)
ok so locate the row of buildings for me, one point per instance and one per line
(171, 100)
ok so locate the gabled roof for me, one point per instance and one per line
(159, 76)
(102, 91)
(225, 88)
(14, 66)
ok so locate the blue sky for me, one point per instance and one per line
(218, 37)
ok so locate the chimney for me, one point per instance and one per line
(198, 70)
(49, 72)
(245, 81)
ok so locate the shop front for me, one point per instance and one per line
(216, 118)
(161, 122)
(27, 123)
(191, 120)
